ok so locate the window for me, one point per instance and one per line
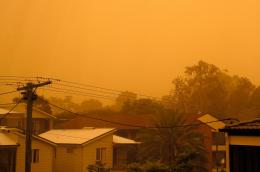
(218, 138)
(35, 155)
(101, 154)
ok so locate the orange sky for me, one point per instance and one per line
(137, 45)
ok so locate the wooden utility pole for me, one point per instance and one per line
(30, 96)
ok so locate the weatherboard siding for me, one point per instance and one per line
(46, 156)
(79, 157)
(68, 161)
(89, 151)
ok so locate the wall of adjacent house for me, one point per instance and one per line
(46, 156)
(89, 152)
(71, 158)
(68, 159)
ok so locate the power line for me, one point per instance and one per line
(9, 92)
(118, 91)
(88, 89)
(9, 112)
(80, 84)
(103, 92)
(137, 126)
(76, 93)
(6, 104)
(88, 94)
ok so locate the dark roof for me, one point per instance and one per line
(251, 127)
(135, 120)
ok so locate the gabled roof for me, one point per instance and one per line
(209, 120)
(76, 136)
(122, 140)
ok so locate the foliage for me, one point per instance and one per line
(40, 103)
(124, 97)
(90, 105)
(148, 166)
(169, 145)
(205, 88)
(183, 164)
(135, 167)
(98, 167)
(141, 106)
(155, 167)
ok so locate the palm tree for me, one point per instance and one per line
(172, 143)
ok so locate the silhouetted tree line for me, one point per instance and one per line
(203, 88)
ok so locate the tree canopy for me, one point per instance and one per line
(204, 88)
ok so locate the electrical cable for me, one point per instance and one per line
(9, 112)
(136, 126)
(81, 94)
(9, 92)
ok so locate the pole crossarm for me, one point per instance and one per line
(34, 85)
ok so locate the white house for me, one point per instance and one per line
(76, 149)
(12, 152)
(63, 150)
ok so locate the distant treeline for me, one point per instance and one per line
(203, 88)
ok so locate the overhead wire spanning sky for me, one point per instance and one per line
(136, 45)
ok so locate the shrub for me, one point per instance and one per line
(155, 167)
(135, 167)
(98, 167)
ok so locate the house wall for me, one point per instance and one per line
(46, 156)
(239, 141)
(13, 122)
(89, 152)
(244, 140)
(77, 158)
(206, 131)
(68, 159)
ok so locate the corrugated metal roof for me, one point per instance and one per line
(122, 140)
(75, 136)
(249, 125)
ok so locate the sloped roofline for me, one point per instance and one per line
(19, 133)
(45, 113)
(84, 143)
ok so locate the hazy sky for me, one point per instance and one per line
(137, 45)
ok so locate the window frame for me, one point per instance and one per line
(101, 154)
(35, 156)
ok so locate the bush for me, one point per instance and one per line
(155, 167)
(147, 167)
(134, 167)
(98, 167)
